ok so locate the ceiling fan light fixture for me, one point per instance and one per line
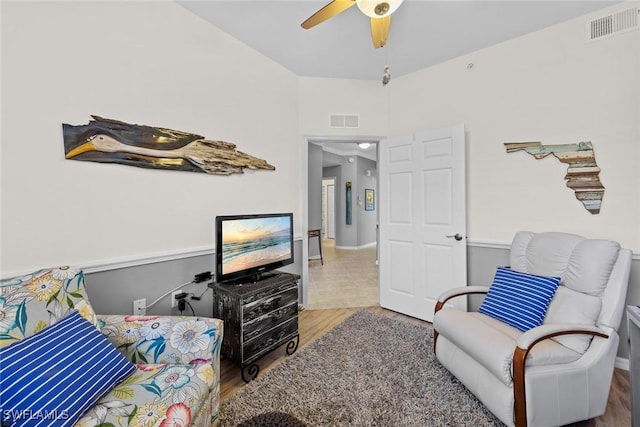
(378, 8)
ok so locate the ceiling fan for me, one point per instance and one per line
(378, 10)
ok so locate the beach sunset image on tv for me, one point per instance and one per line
(252, 242)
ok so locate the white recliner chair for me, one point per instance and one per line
(559, 372)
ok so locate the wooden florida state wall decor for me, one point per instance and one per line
(583, 173)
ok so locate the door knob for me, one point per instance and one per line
(456, 236)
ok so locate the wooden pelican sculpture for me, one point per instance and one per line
(106, 140)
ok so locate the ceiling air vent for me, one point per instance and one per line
(614, 23)
(344, 121)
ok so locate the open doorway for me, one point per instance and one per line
(329, 208)
(342, 192)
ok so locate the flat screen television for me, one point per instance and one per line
(249, 246)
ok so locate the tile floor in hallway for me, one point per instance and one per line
(348, 278)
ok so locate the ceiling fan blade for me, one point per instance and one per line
(380, 30)
(329, 11)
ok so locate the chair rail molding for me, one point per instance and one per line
(128, 261)
(497, 244)
(492, 244)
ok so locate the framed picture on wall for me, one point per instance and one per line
(369, 199)
(348, 201)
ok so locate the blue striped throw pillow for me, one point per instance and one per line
(55, 376)
(519, 299)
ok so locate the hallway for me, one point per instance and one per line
(348, 278)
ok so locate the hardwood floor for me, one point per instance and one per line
(315, 323)
(348, 282)
(312, 324)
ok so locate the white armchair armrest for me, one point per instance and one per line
(459, 291)
(452, 293)
(525, 342)
(537, 334)
(462, 290)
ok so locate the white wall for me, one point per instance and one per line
(150, 63)
(315, 187)
(155, 63)
(548, 86)
(367, 221)
(319, 98)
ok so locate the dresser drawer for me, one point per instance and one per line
(258, 316)
(267, 321)
(269, 340)
(269, 303)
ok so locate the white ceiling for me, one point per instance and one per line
(345, 148)
(423, 32)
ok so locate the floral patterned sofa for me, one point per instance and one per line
(175, 360)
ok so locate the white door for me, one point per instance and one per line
(331, 212)
(422, 220)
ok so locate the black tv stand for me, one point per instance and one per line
(253, 279)
(264, 276)
(258, 317)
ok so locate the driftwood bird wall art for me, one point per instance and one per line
(112, 141)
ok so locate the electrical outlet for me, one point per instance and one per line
(139, 306)
(174, 301)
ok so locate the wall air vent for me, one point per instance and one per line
(614, 23)
(344, 121)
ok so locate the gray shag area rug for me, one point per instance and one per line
(370, 370)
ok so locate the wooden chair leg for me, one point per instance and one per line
(439, 306)
(317, 233)
(519, 396)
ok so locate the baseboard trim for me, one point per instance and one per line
(355, 248)
(368, 245)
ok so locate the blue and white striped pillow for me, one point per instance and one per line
(519, 299)
(56, 375)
